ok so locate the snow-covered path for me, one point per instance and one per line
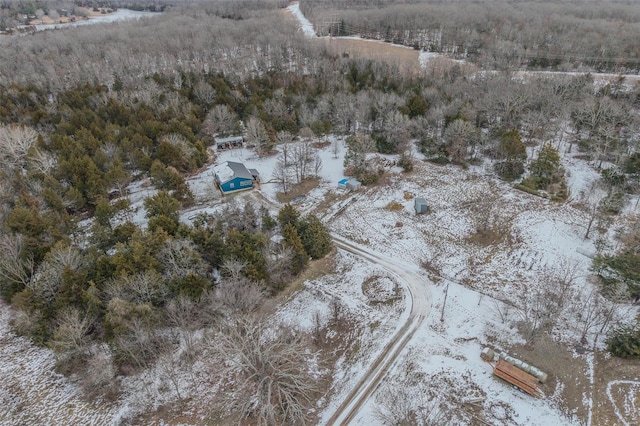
(420, 302)
(305, 24)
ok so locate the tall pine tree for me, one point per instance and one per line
(315, 237)
(300, 259)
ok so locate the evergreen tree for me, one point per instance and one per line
(210, 242)
(163, 212)
(300, 258)
(268, 223)
(513, 152)
(288, 215)
(315, 237)
(546, 166)
(624, 342)
(248, 247)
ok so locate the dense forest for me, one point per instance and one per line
(501, 34)
(86, 111)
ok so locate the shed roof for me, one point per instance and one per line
(229, 139)
(421, 201)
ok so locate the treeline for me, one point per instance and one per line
(15, 13)
(190, 38)
(504, 35)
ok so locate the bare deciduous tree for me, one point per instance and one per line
(303, 159)
(204, 93)
(271, 383)
(221, 120)
(543, 300)
(42, 162)
(144, 287)
(15, 142)
(460, 136)
(592, 199)
(14, 269)
(258, 136)
(48, 277)
(180, 258)
(70, 339)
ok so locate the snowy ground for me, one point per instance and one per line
(31, 393)
(446, 353)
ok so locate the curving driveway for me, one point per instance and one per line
(419, 298)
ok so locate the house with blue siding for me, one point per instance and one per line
(233, 177)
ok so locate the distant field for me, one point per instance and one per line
(405, 58)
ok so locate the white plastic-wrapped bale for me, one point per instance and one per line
(534, 371)
(487, 354)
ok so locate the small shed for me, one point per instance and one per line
(229, 142)
(342, 183)
(353, 185)
(420, 205)
(232, 177)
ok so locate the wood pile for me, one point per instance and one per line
(517, 377)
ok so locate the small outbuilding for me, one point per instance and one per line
(353, 184)
(420, 205)
(342, 183)
(233, 177)
(229, 142)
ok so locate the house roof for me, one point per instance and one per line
(229, 139)
(230, 169)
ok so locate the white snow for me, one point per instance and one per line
(476, 278)
(305, 24)
(32, 393)
(223, 171)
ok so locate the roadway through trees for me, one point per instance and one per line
(420, 300)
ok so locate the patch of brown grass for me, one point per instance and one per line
(394, 206)
(408, 196)
(562, 368)
(301, 188)
(321, 144)
(405, 59)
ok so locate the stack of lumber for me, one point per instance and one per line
(517, 377)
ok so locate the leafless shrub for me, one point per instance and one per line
(98, 378)
(241, 295)
(406, 402)
(180, 258)
(139, 346)
(185, 314)
(144, 287)
(14, 270)
(269, 379)
(71, 337)
(48, 277)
